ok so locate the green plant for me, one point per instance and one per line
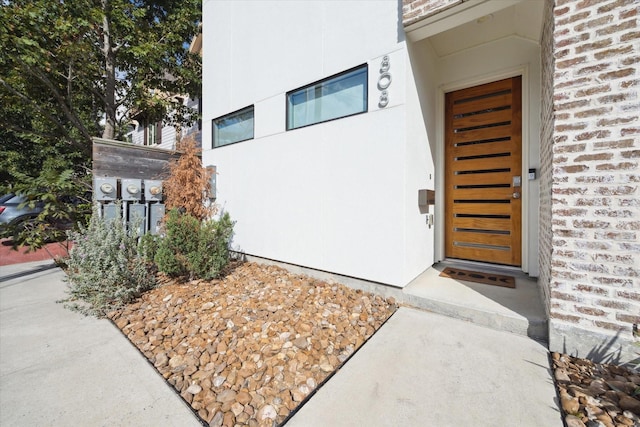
(198, 249)
(105, 268)
(212, 254)
(148, 247)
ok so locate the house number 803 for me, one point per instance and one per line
(384, 81)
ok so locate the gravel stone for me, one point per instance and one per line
(248, 348)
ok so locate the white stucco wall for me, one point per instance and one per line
(340, 196)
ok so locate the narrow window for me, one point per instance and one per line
(234, 127)
(342, 95)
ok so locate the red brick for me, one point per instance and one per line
(613, 213)
(618, 74)
(613, 52)
(605, 145)
(570, 191)
(597, 112)
(620, 190)
(571, 233)
(597, 22)
(628, 318)
(591, 157)
(572, 105)
(593, 90)
(572, 169)
(616, 28)
(630, 295)
(590, 267)
(570, 127)
(629, 131)
(596, 201)
(612, 281)
(606, 179)
(612, 304)
(612, 121)
(615, 235)
(590, 311)
(614, 5)
(630, 36)
(566, 317)
(594, 68)
(572, 212)
(590, 47)
(596, 290)
(572, 18)
(559, 11)
(593, 244)
(607, 325)
(573, 82)
(630, 154)
(592, 135)
(629, 60)
(608, 99)
(573, 148)
(628, 225)
(624, 14)
(572, 40)
(616, 166)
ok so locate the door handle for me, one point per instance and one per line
(516, 195)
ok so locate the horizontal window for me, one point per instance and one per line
(234, 127)
(342, 95)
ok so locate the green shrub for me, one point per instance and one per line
(212, 254)
(105, 268)
(194, 248)
(148, 247)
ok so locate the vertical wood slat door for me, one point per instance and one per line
(483, 156)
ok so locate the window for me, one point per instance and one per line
(338, 96)
(234, 127)
(153, 133)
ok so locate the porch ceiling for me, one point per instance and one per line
(522, 19)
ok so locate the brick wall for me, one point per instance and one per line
(546, 153)
(592, 268)
(415, 10)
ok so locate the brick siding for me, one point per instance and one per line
(415, 10)
(590, 175)
(546, 156)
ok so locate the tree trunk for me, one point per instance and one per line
(110, 74)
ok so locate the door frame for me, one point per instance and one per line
(440, 143)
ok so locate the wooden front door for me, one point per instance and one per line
(482, 173)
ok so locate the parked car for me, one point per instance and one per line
(13, 212)
(16, 214)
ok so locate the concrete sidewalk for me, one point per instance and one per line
(423, 369)
(58, 368)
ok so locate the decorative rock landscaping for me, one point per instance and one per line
(249, 348)
(596, 395)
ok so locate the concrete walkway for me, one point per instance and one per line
(423, 369)
(58, 368)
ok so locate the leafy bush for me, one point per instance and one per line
(198, 249)
(105, 268)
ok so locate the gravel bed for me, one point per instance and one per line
(596, 395)
(251, 347)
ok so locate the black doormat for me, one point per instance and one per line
(478, 277)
